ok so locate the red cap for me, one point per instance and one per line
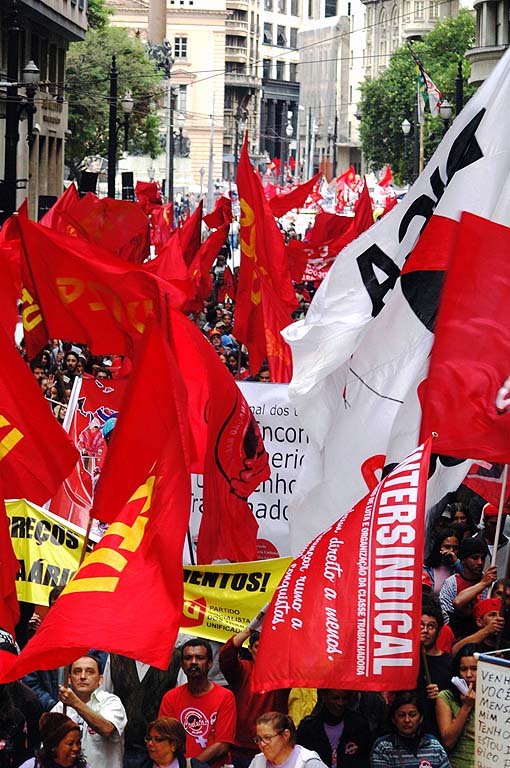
(426, 581)
(484, 606)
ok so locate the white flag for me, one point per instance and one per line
(362, 350)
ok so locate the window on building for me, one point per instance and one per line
(418, 9)
(293, 37)
(310, 9)
(434, 10)
(330, 8)
(279, 70)
(282, 6)
(292, 72)
(294, 7)
(281, 37)
(182, 99)
(180, 47)
(266, 69)
(268, 33)
(268, 5)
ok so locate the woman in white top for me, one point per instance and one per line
(276, 739)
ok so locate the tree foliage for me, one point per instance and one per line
(389, 99)
(97, 14)
(88, 86)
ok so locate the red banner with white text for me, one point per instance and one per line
(354, 596)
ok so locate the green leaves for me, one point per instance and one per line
(87, 92)
(389, 99)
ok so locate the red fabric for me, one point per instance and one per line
(279, 356)
(348, 177)
(337, 596)
(326, 227)
(386, 177)
(250, 705)
(390, 203)
(161, 223)
(9, 567)
(10, 277)
(445, 639)
(117, 226)
(222, 213)
(35, 452)
(190, 235)
(227, 289)
(263, 258)
(134, 575)
(207, 719)
(485, 479)
(471, 352)
(148, 195)
(282, 203)
(200, 269)
(59, 210)
(73, 290)
(298, 255)
(155, 382)
(363, 213)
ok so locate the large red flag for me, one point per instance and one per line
(326, 227)
(354, 596)
(127, 595)
(117, 226)
(200, 269)
(363, 214)
(280, 204)
(10, 278)
(470, 359)
(55, 218)
(263, 257)
(279, 356)
(73, 290)
(9, 567)
(35, 452)
(141, 435)
(161, 221)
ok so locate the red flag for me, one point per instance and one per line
(354, 596)
(363, 213)
(282, 203)
(386, 178)
(485, 479)
(161, 222)
(134, 574)
(263, 257)
(190, 234)
(348, 178)
(222, 213)
(327, 226)
(73, 290)
(35, 452)
(227, 290)
(55, 218)
(389, 203)
(200, 269)
(117, 226)
(10, 277)
(136, 446)
(279, 356)
(9, 567)
(148, 195)
(470, 359)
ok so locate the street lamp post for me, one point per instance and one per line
(288, 132)
(446, 112)
(180, 125)
(113, 126)
(240, 130)
(406, 130)
(416, 142)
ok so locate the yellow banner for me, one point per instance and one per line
(221, 600)
(47, 547)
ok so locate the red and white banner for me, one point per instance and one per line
(354, 596)
(98, 401)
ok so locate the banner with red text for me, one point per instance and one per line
(354, 596)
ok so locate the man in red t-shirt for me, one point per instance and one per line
(206, 710)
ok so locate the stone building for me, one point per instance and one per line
(32, 144)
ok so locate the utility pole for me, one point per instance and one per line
(11, 113)
(112, 129)
(459, 90)
(335, 137)
(210, 191)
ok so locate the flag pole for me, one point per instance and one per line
(500, 517)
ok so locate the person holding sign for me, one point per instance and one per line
(407, 746)
(455, 709)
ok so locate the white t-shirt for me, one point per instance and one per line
(98, 750)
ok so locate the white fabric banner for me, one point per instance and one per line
(492, 713)
(362, 350)
(285, 441)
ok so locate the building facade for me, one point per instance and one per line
(37, 31)
(492, 37)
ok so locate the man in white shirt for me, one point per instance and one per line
(101, 715)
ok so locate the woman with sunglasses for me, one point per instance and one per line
(276, 739)
(166, 744)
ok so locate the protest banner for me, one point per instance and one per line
(285, 441)
(220, 600)
(492, 713)
(47, 548)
